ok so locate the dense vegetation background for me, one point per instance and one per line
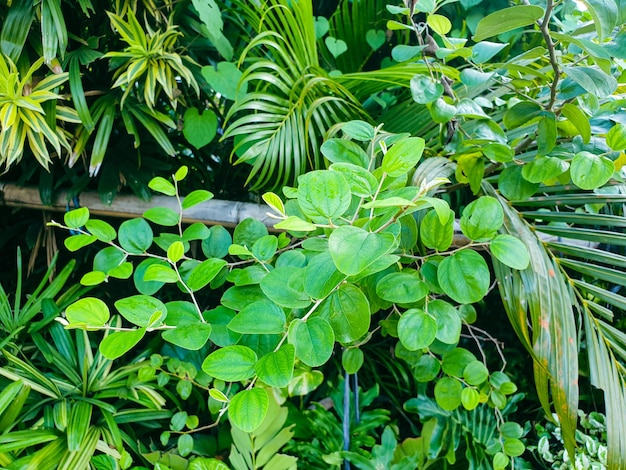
(445, 289)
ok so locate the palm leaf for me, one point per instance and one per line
(594, 275)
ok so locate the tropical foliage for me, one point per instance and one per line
(434, 165)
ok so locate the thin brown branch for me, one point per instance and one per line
(545, 32)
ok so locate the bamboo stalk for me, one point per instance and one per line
(213, 212)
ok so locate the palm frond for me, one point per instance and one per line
(586, 280)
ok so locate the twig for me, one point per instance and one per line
(545, 32)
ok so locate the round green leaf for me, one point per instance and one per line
(108, 258)
(514, 447)
(510, 251)
(514, 186)
(511, 430)
(314, 340)
(434, 234)
(425, 89)
(88, 311)
(448, 321)
(401, 288)
(247, 232)
(426, 368)
(123, 271)
(276, 368)
(416, 329)
(352, 360)
(589, 171)
(500, 461)
(321, 276)
(323, 195)
(448, 393)
(184, 444)
(358, 130)
(76, 218)
(135, 236)
(454, 362)
(362, 182)
(265, 247)
(482, 218)
(231, 363)
(439, 23)
(101, 230)
(470, 398)
(263, 317)
(116, 344)
(464, 276)
(140, 309)
(616, 137)
(285, 287)
(248, 408)
(475, 373)
(162, 186)
(350, 313)
(148, 287)
(175, 251)
(353, 249)
(216, 245)
(192, 337)
(544, 169)
(76, 242)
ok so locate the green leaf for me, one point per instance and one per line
(358, 130)
(321, 276)
(448, 393)
(475, 373)
(362, 182)
(616, 137)
(262, 317)
(589, 171)
(162, 216)
(181, 173)
(77, 425)
(284, 286)
(580, 122)
(135, 236)
(514, 186)
(231, 363)
(335, 46)
(247, 409)
(323, 195)
(344, 151)
(163, 186)
(439, 23)
(196, 231)
(184, 444)
(199, 129)
(425, 89)
(464, 276)
(101, 230)
(546, 134)
(204, 273)
(416, 329)
(275, 202)
(426, 368)
(216, 245)
(455, 361)
(403, 156)
(507, 19)
(349, 313)
(434, 234)
(276, 368)
(470, 398)
(375, 38)
(593, 80)
(482, 219)
(76, 218)
(265, 247)
(225, 79)
(313, 339)
(448, 321)
(485, 51)
(139, 309)
(196, 197)
(354, 249)
(510, 251)
(192, 337)
(514, 447)
(605, 14)
(248, 231)
(544, 169)
(352, 359)
(521, 113)
(296, 224)
(402, 288)
(76, 242)
(175, 251)
(93, 278)
(117, 344)
(88, 311)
